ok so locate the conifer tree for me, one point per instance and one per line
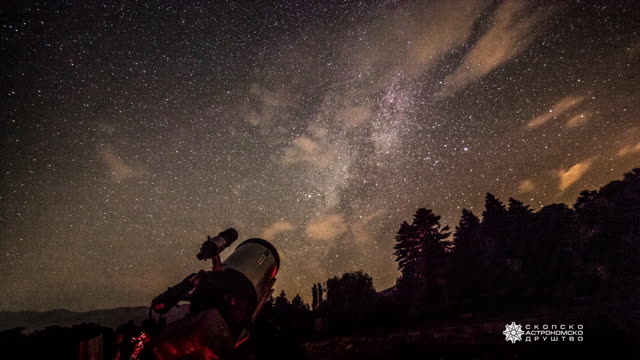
(467, 235)
(314, 299)
(420, 252)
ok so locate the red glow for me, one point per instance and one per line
(140, 340)
(275, 272)
(184, 346)
(240, 342)
(172, 349)
(210, 354)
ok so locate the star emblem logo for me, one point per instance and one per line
(513, 332)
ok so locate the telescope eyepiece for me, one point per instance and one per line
(215, 245)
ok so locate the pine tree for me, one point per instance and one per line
(281, 302)
(420, 252)
(320, 295)
(299, 305)
(469, 258)
(466, 236)
(314, 301)
(494, 227)
(494, 215)
(406, 249)
(518, 208)
(520, 222)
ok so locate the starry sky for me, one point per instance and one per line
(131, 130)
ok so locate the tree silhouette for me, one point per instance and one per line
(466, 237)
(298, 305)
(520, 221)
(469, 259)
(350, 301)
(281, 303)
(406, 250)
(314, 300)
(420, 252)
(550, 261)
(320, 295)
(494, 223)
(610, 221)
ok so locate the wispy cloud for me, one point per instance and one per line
(628, 150)
(438, 29)
(314, 149)
(578, 120)
(515, 26)
(526, 186)
(327, 227)
(118, 169)
(276, 228)
(573, 174)
(558, 109)
(412, 39)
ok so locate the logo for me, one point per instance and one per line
(543, 332)
(263, 257)
(513, 332)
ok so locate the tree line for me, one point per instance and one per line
(507, 258)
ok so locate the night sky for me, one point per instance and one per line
(131, 130)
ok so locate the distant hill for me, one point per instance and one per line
(35, 320)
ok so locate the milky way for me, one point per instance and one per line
(132, 131)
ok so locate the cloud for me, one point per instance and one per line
(626, 142)
(436, 30)
(578, 120)
(119, 170)
(276, 228)
(304, 149)
(327, 227)
(573, 174)
(325, 158)
(628, 150)
(411, 39)
(313, 150)
(558, 109)
(515, 26)
(526, 186)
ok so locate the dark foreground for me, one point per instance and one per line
(467, 336)
(472, 338)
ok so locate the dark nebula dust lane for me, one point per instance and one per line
(130, 131)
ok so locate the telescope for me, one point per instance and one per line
(224, 301)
